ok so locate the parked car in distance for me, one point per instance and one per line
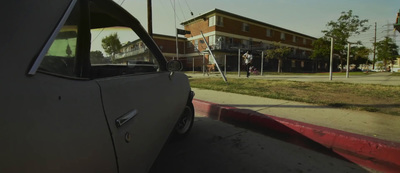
(70, 99)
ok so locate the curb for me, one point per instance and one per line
(367, 151)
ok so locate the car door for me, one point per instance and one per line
(52, 119)
(141, 100)
(154, 103)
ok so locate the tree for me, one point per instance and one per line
(346, 26)
(322, 50)
(386, 51)
(278, 52)
(96, 57)
(68, 51)
(360, 54)
(111, 45)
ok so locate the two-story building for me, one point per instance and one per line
(226, 33)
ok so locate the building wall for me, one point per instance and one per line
(167, 45)
(231, 29)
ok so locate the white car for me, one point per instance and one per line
(70, 99)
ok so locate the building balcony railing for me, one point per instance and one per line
(130, 53)
(261, 47)
(234, 46)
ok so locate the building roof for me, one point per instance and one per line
(397, 24)
(168, 36)
(205, 15)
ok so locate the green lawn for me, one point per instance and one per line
(366, 97)
(395, 74)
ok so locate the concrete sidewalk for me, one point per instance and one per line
(372, 139)
(377, 125)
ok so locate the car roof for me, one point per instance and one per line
(26, 26)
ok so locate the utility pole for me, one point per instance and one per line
(149, 18)
(373, 60)
(176, 30)
(331, 60)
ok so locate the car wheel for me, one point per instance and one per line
(185, 122)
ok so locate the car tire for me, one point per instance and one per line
(185, 122)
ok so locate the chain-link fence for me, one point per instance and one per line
(233, 62)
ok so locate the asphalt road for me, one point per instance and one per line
(214, 146)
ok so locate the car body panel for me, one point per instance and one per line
(53, 124)
(147, 129)
(59, 123)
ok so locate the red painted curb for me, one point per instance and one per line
(371, 152)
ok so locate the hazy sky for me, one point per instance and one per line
(305, 16)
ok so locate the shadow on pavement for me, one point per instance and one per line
(326, 142)
(213, 146)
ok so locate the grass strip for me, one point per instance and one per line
(364, 97)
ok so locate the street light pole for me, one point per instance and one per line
(238, 62)
(348, 59)
(331, 60)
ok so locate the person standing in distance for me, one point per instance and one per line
(248, 58)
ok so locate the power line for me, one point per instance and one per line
(180, 6)
(191, 12)
(104, 28)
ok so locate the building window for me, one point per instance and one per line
(189, 44)
(220, 21)
(293, 63)
(269, 33)
(304, 41)
(211, 21)
(196, 45)
(245, 27)
(211, 40)
(216, 20)
(283, 37)
(294, 39)
(302, 64)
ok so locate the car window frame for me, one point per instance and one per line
(127, 20)
(83, 43)
(32, 71)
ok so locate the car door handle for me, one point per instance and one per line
(126, 117)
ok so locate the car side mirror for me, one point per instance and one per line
(174, 65)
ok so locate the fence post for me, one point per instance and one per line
(225, 65)
(262, 62)
(239, 63)
(204, 66)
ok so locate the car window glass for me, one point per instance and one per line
(61, 56)
(118, 51)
